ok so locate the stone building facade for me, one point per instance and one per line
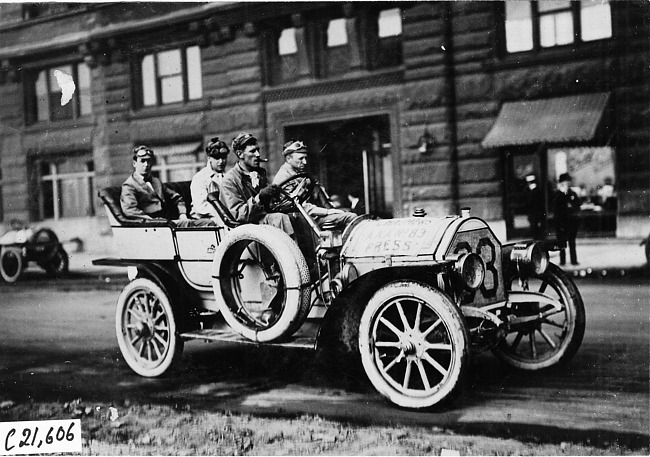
(409, 104)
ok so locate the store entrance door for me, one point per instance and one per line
(352, 157)
(526, 200)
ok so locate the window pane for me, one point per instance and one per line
(519, 27)
(595, 20)
(172, 89)
(390, 23)
(556, 29)
(553, 5)
(169, 63)
(287, 42)
(149, 97)
(337, 35)
(54, 83)
(83, 73)
(42, 98)
(74, 198)
(194, 79)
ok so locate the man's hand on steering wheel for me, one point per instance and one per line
(269, 193)
(288, 191)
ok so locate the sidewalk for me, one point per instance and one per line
(598, 257)
(606, 257)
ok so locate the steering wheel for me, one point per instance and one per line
(289, 188)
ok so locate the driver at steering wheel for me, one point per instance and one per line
(295, 162)
(245, 189)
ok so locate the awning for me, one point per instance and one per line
(553, 120)
(177, 149)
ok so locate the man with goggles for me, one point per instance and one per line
(144, 196)
(295, 162)
(208, 179)
(245, 189)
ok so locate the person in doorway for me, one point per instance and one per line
(295, 162)
(536, 208)
(357, 205)
(144, 196)
(566, 205)
(245, 191)
(208, 179)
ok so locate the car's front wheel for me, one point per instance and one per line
(58, 264)
(413, 344)
(548, 321)
(146, 328)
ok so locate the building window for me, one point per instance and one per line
(66, 187)
(59, 93)
(178, 162)
(171, 76)
(287, 42)
(550, 23)
(337, 35)
(389, 39)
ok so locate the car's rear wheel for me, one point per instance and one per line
(58, 264)
(146, 328)
(11, 263)
(542, 342)
(261, 283)
(413, 344)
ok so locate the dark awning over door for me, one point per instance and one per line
(553, 120)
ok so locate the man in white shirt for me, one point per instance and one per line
(208, 180)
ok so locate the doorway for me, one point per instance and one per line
(352, 157)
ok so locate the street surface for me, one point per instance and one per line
(58, 344)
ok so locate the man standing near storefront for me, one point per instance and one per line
(566, 205)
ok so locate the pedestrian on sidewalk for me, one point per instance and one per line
(566, 205)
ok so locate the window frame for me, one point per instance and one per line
(575, 8)
(139, 77)
(56, 178)
(32, 95)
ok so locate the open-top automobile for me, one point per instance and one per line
(411, 297)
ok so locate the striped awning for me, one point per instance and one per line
(177, 149)
(553, 120)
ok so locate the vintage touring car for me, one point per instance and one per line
(412, 297)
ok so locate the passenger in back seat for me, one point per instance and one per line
(208, 180)
(143, 196)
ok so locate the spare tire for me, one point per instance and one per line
(261, 283)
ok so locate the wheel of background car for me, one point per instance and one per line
(546, 342)
(58, 264)
(146, 328)
(413, 344)
(261, 282)
(45, 235)
(11, 263)
(285, 203)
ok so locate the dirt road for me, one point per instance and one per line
(58, 345)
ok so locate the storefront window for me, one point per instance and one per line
(593, 179)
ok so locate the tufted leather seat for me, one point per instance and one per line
(111, 198)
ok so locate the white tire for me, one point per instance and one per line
(242, 268)
(11, 263)
(146, 328)
(414, 344)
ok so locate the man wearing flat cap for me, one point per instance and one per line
(208, 179)
(143, 196)
(245, 190)
(295, 162)
(566, 205)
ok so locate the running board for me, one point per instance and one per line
(305, 338)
